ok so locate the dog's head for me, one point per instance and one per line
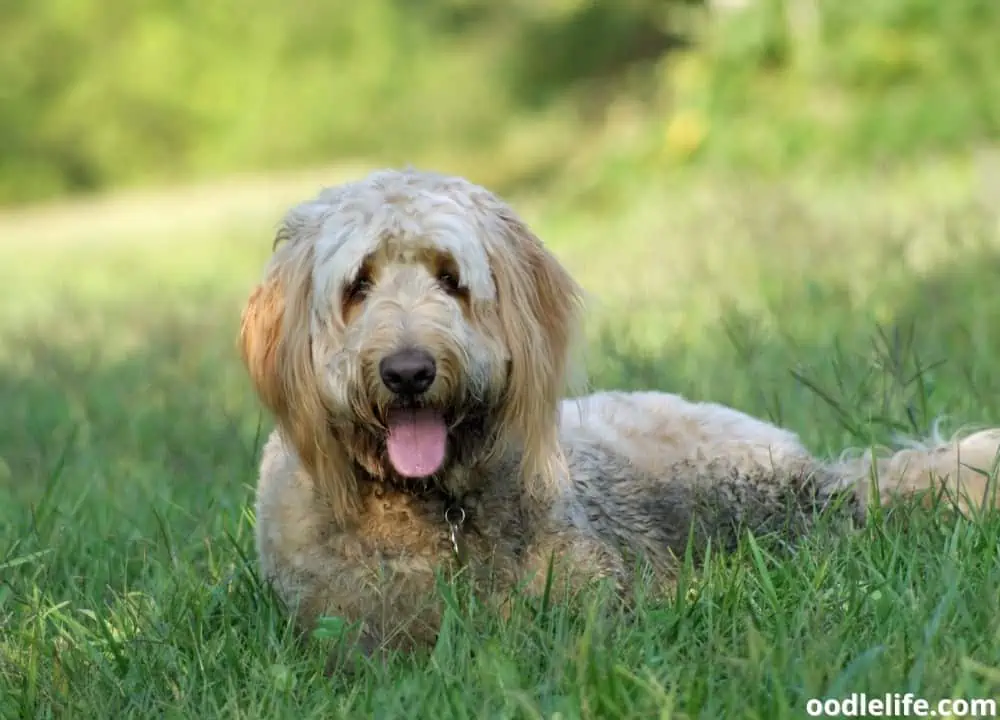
(409, 322)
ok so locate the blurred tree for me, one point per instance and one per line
(96, 94)
(562, 45)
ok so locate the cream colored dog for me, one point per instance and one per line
(412, 338)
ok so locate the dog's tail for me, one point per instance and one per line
(961, 472)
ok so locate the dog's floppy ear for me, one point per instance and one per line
(276, 347)
(539, 306)
(274, 331)
(260, 341)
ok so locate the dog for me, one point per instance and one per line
(413, 340)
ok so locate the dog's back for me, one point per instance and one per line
(649, 472)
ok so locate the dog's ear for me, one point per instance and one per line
(276, 346)
(260, 341)
(539, 307)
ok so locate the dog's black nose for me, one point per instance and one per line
(408, 372)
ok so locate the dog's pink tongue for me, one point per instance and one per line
(416, 441)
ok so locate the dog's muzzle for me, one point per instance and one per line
(409, 372)
(417, 439)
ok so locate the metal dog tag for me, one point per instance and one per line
(455, 517)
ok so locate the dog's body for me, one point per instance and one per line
(420, 426)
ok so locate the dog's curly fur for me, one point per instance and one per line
(407, 259)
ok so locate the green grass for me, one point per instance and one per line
(129, 434)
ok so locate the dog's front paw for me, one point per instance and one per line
(355, 647)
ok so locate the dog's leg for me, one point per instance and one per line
(563, 563)
(368, 608)
(383, 597)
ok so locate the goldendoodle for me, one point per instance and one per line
(412, 338)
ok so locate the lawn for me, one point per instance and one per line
(846, 308)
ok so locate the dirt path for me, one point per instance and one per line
(161, 213)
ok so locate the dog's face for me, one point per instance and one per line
(410, 322)
(411, 360)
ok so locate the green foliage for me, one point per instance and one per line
(835, 81)
(96, 94)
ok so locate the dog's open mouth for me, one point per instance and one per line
(417, 441)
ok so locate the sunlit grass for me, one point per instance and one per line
(129, 437)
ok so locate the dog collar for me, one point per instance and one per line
(454, 516)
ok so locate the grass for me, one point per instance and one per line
(847, 309)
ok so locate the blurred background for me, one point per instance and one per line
(96, 95)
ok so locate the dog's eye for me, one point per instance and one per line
(449, 282)
(357, 290)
